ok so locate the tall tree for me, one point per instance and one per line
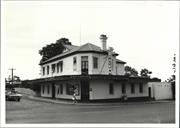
(173, 77)
(145, 73)
(129, 71)
(53, 49)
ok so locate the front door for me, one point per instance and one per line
(149, 91)
(84, 90)
(53, 91)
(84, 65)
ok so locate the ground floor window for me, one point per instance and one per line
(60, 89)
(48, 88)
(72, 88)
(132, 88)
(111, 88)
(43, 89)
(141, 88)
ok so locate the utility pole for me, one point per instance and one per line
(12, 74)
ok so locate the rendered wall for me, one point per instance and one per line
(64, 95)
(46, 94)
(100, 90)
(103, 66)
(120, 69)
(68, 66)
(161, 90)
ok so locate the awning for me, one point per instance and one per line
(91, 77)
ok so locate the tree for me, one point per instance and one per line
(145, 73)
(173, 77)
(129, 71)
(53, 49)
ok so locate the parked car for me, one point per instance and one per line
(13, 95)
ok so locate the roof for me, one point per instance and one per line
(72, 49)
(88, 47)
(120, 61)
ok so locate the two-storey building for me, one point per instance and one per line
(92, 72)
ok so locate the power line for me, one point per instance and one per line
(80, 34)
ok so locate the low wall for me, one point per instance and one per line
(161, 90)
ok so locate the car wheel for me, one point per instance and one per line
(19, 99)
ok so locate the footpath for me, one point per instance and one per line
(27, 93)
(70, 102)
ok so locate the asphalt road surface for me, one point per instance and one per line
(30, 111)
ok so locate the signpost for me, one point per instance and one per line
(110, 60)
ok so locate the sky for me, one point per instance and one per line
(145, 34)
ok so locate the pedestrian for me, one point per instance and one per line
(74, 98)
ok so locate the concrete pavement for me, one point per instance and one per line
(59, 101)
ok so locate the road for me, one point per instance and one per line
(30, 111)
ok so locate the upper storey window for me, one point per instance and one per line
(95, 62)
(43, 71)
(53, 68)
(74, 63)
(60, 66)
(84, 65)
(47, 70)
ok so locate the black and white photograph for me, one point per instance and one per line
(90, 63)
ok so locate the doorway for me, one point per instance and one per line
(84, 90)
(53, 91)
(149, 92)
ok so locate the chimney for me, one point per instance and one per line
(103, 39)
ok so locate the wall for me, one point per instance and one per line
(100, 90)
(103, 67)
(64, 95)
(68, 66)
(46, 94)
(120, 69)
(137, 93)
(161, 90)
(61, 96)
